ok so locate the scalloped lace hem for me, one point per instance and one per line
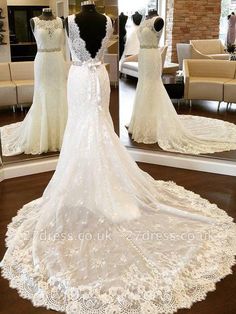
(87, 300)
(153, 292)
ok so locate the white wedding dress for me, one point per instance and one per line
(132, 42)
(105, 237)
(154, 119)
(43, 127)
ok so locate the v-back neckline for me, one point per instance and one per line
(102, 41)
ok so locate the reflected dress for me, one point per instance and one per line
(43, 128)
(154, 119)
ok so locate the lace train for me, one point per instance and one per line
(145, 285)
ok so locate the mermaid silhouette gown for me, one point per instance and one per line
(105, 237)
(154, 119)
(43, 128)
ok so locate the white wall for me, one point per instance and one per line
(5, 50)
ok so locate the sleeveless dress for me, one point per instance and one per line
(105, 237)
(154, 119)
(132, 42)
(231, 33)
(43, 127)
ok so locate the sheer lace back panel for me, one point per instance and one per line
(148, 36)
(77, 45)
(48, 34)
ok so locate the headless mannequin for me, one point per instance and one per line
(122, 33)
(137, 18)
(92, 27)
(159, 22)
(231, 33)
(152, 13)
(46, 16)
(122, 22)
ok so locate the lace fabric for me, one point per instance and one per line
(43, 127)
(154, 119)
(131, 269)
(105, 237)
(78, 45)
(51, 26)
(147, 34)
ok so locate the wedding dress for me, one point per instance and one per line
(105, 237)
(154, 119)
(132, 42)
(43, 127)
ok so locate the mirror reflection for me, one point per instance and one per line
(177, 86)
(34, 76)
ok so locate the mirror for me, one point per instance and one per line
(175, 40)
(30, 81)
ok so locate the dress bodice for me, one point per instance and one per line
(48, 34)
(147, 35)
(77, 45)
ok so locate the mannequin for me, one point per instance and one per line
(231, 33)
(92, 26)
(132, 42)
(152, 13)
(137, 18)
(159, 22)
(46, 16)
(122, 33)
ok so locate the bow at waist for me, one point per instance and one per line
(94, 87)
(92, 65)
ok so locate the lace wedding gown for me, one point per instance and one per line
(132, 43)
(154, 119)
(43, 127)
(105, 237)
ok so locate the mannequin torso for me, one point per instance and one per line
(46, 16)
(137, 18)
(122, 33)
(122, 22)
(92, 27)
(158, 24)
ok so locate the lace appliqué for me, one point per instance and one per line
(78, 45)
(152, 39)
(49, 25)
(156, 290)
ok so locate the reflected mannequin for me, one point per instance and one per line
(152, 13)
(122, 33)
(82, 247)
(43, 127)
(231, 33)
(154, 119)
(132, 42)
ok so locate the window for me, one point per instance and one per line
(130, 7)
